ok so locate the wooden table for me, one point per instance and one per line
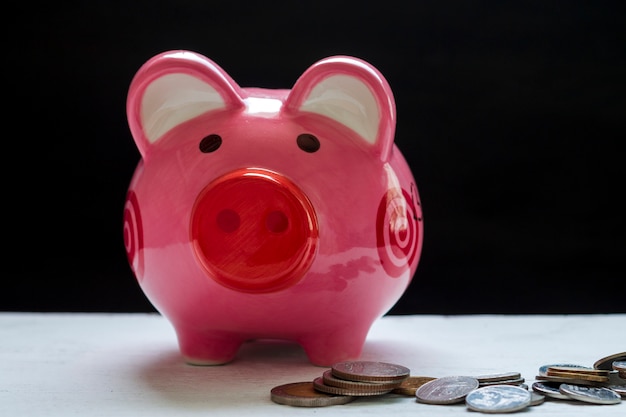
(115, 365)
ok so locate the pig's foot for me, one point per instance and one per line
(334, 346)
(207, 348)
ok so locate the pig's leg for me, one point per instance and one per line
(207, 347)
(335, 345)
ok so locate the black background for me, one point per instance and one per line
(511, 115)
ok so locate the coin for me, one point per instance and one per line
(411, 384)
(544, 369)
(595, 395)
(570, 380)
(319, 385)
(498, 377)
(549, 389)
(498, 399)
(620, 389)
(586, 376)
(330, 379)
(607, 361)
(619, 365)
(536, 398)
(303, 394)
(446, 390)
(517, 381)
(580, 370)
(507, 378)
(370, 371)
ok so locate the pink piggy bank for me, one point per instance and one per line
(269, 213)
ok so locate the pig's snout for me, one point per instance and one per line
(254, 230)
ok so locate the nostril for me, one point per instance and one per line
(228, 220)
(276, 222)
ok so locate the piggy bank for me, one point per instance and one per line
(285, 214)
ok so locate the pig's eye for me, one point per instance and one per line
(308, 143)
(210, 143)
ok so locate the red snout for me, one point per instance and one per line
(254, 230)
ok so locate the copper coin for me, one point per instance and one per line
(319, 385)
(607, 361)
(582, 370)
(446, 390)
(333, 381)
(303, 394)
(569, 380)
(578, 375)
(370, 371)
(411, 384)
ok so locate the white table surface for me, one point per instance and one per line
(114, 365)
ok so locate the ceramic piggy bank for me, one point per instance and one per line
(269, 213)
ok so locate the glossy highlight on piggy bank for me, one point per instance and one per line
(269, 213)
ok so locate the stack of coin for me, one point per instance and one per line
(604, 383)
(576, 375)
(505, 378)
(361, 378)
(600, 384)
(342, 383)
(304, 394)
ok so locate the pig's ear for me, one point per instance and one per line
(351, 92)
(174, 87)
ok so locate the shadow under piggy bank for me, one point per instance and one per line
(245, 382)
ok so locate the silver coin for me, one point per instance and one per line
(620, 389)
(619, 365)
(543, 370)
(536, 398)
(518, 382)
(498, 399)
(505, 376)
(595, 395)
(549, 389)
(446, 390)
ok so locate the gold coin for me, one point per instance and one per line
(411, 384)
(318, 384)
(578, 375)
(581, 370)
(303, 394)
(370, 371)
(569, 380)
